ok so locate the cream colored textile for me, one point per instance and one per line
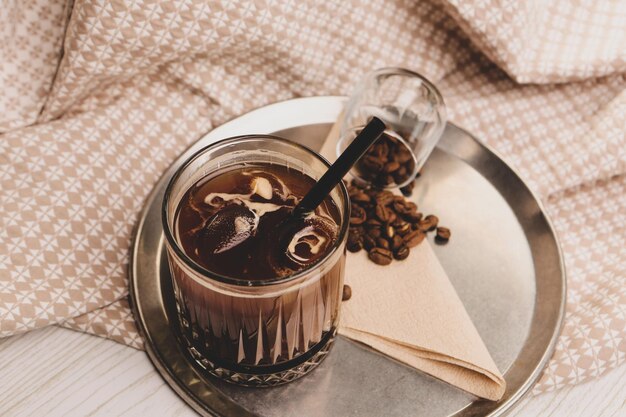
(31, 34)
(138, 81)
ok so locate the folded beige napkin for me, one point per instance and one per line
(410, 311)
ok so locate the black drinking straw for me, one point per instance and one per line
(370, 133)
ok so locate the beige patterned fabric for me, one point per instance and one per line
(114, 321)
(547, 41)
(31, 32)
(591, 223)
(140, 80)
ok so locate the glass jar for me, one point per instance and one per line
(414, 112)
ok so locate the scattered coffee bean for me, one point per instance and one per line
(369, 242)
(347, 293)
(382, 243)
(354, 246)
(412, 216)
(387, 225)
(399, 207)
(397, 222)
(384, 198)
(443, 235)
(354, 241)
(404, 229)
(357, 215)
(433, 221)
(414, 238)
(401, 253)
(380, 256)
(382, 213)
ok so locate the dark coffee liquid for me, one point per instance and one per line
(237, 223)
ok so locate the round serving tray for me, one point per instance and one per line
(504, 261)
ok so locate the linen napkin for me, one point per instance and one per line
(410, 311)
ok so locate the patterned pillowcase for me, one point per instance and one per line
(31, 36)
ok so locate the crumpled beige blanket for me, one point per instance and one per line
(98, 97)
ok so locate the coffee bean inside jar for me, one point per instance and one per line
(387, 163)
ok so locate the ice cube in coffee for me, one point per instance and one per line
(257, 292)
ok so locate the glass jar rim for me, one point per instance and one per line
(208, 274)
(389, 71)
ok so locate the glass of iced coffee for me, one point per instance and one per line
(257, 292)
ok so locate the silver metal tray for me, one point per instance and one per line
(504, 261)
